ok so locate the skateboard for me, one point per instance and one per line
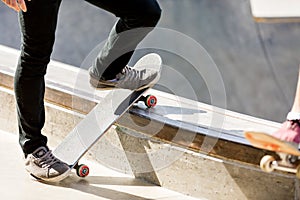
(288, 153)
(101, 118)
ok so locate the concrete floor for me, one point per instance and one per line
(102, 183)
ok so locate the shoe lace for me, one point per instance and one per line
(47, 160)
(132, 74)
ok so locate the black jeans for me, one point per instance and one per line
(136, 19)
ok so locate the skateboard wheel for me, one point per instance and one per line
(82, 170)
(150, 101)
(266, 163)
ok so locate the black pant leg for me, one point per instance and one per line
(38, 27)
(137, 19)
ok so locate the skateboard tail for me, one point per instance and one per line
(268, 142)
(263, 144)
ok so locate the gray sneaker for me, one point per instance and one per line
(42, 164)
(129, 78)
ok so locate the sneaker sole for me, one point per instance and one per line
(111, 87)
(53, 179)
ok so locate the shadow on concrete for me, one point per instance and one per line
(97, 185)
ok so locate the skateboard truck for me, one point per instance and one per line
(287, 163)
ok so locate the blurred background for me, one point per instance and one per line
(258, 61)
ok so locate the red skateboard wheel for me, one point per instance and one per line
(150, 101)
(82, 170)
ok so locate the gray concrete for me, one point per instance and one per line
(258, 62)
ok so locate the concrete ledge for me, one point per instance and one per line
(174, 145)
(275, 8)
(275, 11)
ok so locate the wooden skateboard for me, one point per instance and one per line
(289, 155)
(101, 118)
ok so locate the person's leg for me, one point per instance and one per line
(137, 19)
(38, 26)
(290, 130)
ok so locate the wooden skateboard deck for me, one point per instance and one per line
(101, 118)
(288, 153)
